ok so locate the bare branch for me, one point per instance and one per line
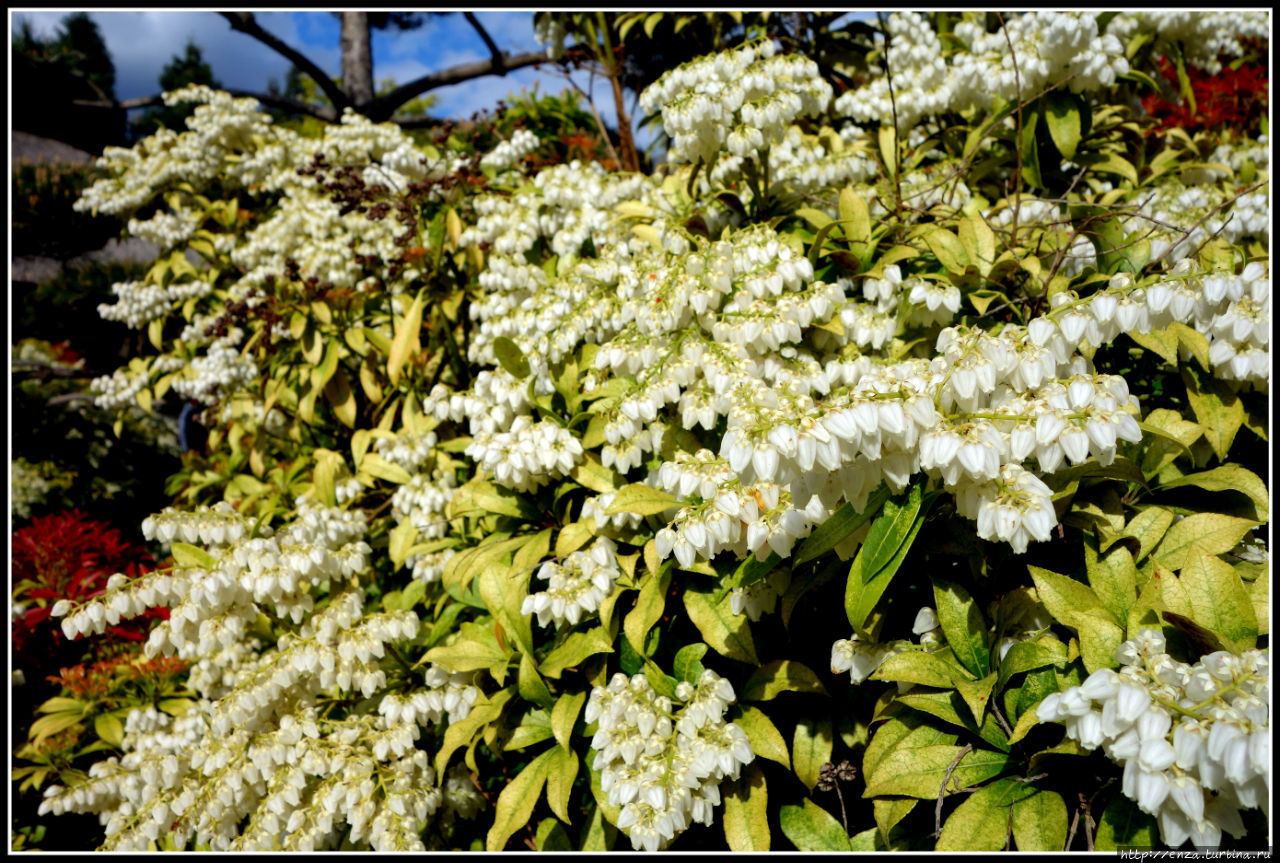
(499, 61)
(382, 106)
(247, 24)
(278, 102)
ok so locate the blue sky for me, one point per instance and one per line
(142, 42)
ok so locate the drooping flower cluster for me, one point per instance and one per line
(662, 760)
(743, 99)
(575, 586)
(1194, 740)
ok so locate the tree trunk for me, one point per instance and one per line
(357, 58)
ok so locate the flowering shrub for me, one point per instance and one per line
(957, 383)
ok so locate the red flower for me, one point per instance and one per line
(67, 556)
(1233, 98)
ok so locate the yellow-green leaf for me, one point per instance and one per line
(1040, 822)
(406, 340)
(812, 828)
(1230, 477)
(1219, 601)
(641, 500)
(648, 609)
(561, 771)
(781, 675)
(516, 802)
(1062, 115)
(811, 748)
(746, 812)
(727, 633)
(981, 821)
(108, 728)
(1214, 533)
(565, 714)
(764, 737)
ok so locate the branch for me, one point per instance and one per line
(382, 106)
(499, 61)
(245, 23)
(280, 102)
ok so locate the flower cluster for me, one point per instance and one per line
(743, 99)
(661, 763)
(575, 586)
(1194, 740)
(509, 153)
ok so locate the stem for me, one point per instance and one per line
(1017, 137)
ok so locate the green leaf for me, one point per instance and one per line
(573, 537)
(406, 339)
(1062, 115)
(764, 737)
(781, 675)
(812, 828)
(746, 812)
(1040, 822)
(511, 358)
(1030, 152)
(190, 555)
(687, 664)
(531, 686)
(883, 551)
(476, 648)
(378, 466)
(109, 728)
(1099, 638)
(981, 822)
(1229, 477)
(911, 759)
(648, 609)
(599, 834)
(534, 728)
(855, 215)
(810, 749)
(963, 625)
(947, 248)
(1217, 408)
(914, 666)
(562, 769)
(551, 836)
(1114, 578)
(400, 540)
(641, 500)
(1029, 655)
(1219, 601)
(727, 633)
(950, 707)
(889, 811)
(516, 802)
(1213, 533)
(591, 474)
(1124, 825)
(1162, 342)
(574, 651)
(1063, 596)
(976, 694)
(836, 529)
(1149, 527)
(979, 242)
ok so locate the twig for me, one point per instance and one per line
(604, 132)
(942, 789)
(499, 61)
(1004, 723)
(248, 25)
(893, 105)
(1017, 135)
